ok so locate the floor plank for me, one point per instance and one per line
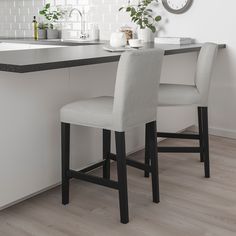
(190, 204)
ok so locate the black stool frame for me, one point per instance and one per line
(122, 161)
(203, 138)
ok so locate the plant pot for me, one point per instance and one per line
(42, 33)
(52, 34)
(146, 35)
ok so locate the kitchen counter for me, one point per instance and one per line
(30, 108)
(75, 54)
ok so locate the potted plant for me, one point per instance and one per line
(42, 30)
(52, 17)
(144, 17)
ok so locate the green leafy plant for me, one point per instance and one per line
(52, 16)
(142, 15)
(43, 26)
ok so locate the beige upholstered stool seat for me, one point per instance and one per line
(178, 95)
(94, 112)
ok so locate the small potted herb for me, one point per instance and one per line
(52, 17)
(42, 30)
(143, 16)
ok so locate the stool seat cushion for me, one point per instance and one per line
(94, 112)
(178, 95)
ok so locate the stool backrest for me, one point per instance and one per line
(137, 82)
(206, 61)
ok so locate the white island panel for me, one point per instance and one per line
(30, 123)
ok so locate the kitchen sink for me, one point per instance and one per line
(72, 42)
(47, 43)
(15, 46)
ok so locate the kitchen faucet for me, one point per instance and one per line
(83, 35)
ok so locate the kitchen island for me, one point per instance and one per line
(30, 100)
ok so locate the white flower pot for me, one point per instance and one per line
(146, 35)
(52, 34)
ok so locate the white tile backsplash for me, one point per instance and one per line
(16, 16)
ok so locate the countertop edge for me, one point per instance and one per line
(83, 62)
(56, 65)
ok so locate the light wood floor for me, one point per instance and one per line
(190, 205)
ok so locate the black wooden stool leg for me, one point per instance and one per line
(106, 153)
(152, 142)
(65, 161)
(200, 126)
(206, 142)
(122, 176)
(147, 157)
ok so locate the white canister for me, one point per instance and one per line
(146, 35)
(118, 39)
(95, 32)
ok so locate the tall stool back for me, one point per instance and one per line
(206, 61)
(135, 99)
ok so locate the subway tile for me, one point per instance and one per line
(16, 15)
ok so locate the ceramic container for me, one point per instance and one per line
(146, 35)
(118, 39)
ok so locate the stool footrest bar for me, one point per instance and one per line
(178, 135)
(179, 149)
(93, 167)
(93, 179)
(133, 163)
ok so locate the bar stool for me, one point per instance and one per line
(196, 95)
(134, 104)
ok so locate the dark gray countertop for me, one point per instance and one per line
(76, 54)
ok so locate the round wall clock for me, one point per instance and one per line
(177, 6)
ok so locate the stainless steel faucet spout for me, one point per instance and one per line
(83, 35)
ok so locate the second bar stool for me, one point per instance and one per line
(134, 104)
(192, 95)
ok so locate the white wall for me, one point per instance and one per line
(214, 20)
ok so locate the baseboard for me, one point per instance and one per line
(226, 133)
(137, 149)
(29, 196)
(140, 148)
